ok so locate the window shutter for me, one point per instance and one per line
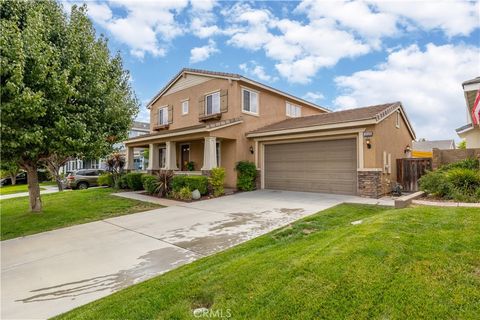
(201, 106)
(170, 114)
(223, 100)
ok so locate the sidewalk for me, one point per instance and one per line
(447, 204)
(48, 189)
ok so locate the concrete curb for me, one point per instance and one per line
(405, 201)
(446, 204)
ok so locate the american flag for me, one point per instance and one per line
(476, 109)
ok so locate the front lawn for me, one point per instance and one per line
(64, 209)
(21, 188)
(414, 263)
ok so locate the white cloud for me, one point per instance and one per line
(427, 82)
(452, 17)
(199, 54)
(314, 96)
(257, 71)
(146, 27)
(202, 18)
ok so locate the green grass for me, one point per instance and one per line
(414, 263)
(64, 209)
(21, 188)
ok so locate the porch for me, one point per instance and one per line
(187, 156)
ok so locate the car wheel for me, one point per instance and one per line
(83, 185)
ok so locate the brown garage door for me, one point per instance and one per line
(318, 166)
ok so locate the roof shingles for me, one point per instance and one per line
(350, 115)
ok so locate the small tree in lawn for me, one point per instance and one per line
(115, 164)
(62, 93)
(53, 163)
(10, 169)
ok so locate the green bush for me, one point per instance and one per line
(150, 184)
(469, 163)
(122, 182)
(134, 180)
(217, 180)
(192, 182)
(436, 183)
(185, 193)
(459, 181)
(246, 175)
(465, 180)
(105, 179)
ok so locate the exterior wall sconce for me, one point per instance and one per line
(407, 149)
(251, 149)
(369, 143)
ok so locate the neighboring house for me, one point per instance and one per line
(470, 132)
(423, 148)
(140, 163)
(217, 119)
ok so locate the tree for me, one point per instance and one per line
(53, 163)
(63, 94)
(10, 169)
(115, 164)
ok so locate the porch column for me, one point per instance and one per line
(153, 155)
(129, 158)
(210, 153)
(171, 156)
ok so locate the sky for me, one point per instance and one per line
(337, 54)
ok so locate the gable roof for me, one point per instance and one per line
(352, 117)
(231, 76)
(429, 145)
(471, 81)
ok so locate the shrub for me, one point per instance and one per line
(192, 182)
(134, 180)
(105, 179)
(122, 182)
(185, 193)
(435, 183)
(217, 179)
(469, 163)
(459, 181)
(150, 184)
(465, 180)
(246, 175)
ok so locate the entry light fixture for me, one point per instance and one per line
(369, 143)
(407, 149)
(251, 149)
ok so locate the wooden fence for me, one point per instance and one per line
(409, 170)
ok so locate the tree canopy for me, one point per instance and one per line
(62, 92)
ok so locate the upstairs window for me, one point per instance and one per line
(397, 120)
(163, 116)
(293, 110)
(212, 103)
(185, 107)
(249, 101)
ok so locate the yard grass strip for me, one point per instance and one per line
(414, 263)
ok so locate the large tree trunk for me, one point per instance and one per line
(33, 189)
(13, 178)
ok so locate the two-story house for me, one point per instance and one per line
(211, 119)
(471, 131)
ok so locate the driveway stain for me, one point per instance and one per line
(153, 263)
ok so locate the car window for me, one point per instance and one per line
(91, 173)
(81, 173)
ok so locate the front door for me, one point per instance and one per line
(185, 156)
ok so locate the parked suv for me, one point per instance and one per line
(82, 179)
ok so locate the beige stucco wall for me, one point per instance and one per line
(234, 145)
(472, 138)
(390, 139)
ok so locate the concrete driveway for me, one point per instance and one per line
(50, 273)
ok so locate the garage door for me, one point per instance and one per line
(316, 166)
